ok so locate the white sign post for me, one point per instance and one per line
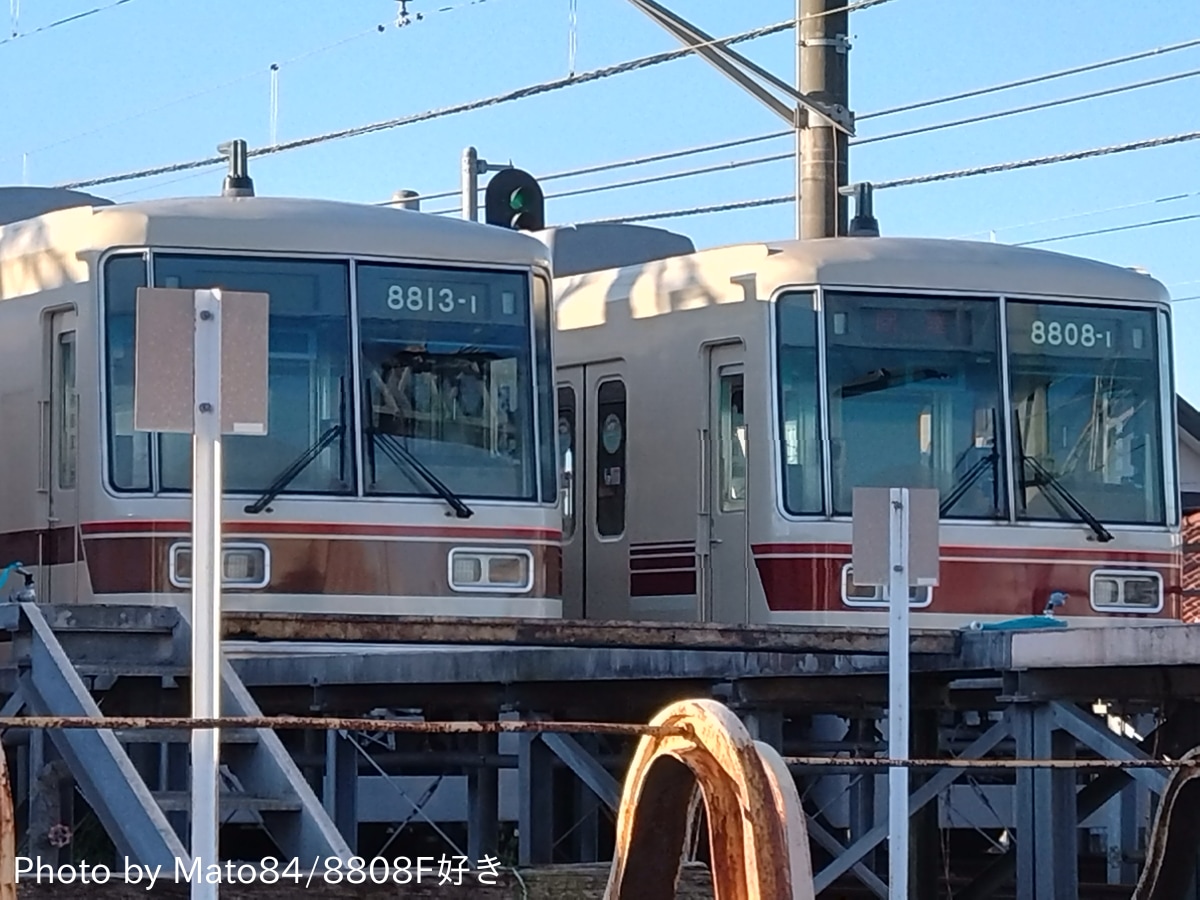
(201, 366)
(896, 546)
(206, 583)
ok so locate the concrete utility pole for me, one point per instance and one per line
(823, 122)
(823, 75)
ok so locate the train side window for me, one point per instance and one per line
(128, 450)
(611, 480)
(566, 457)
(798, 407)
(732, 444)
(66, 402)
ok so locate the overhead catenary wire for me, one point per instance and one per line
(543, 87)
(1031, 107)
(256, 72)
(924, 129)
(923, 179)
(1083, 215)
(66, 20)
(1033, 162)
(649, 179)
(1038, 79)
(640, 63)
(1112, 230)
(622, 164)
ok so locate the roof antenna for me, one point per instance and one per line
(237, 182)
(864, 223)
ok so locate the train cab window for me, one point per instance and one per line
(731, 443)
(66, 403)
(448, 363)
(308, 447)
(128, 450)
(566, 457)
(914, 399)
(611, 443)
(1087, 427)
(799, 427)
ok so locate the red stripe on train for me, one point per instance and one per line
(950, 552)
(964, 586)
(182, 527)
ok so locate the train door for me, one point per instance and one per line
(59, 575)
(570, 419)
(727, 480)
(595, 534)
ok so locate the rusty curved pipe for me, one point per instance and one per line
(756, 828)
(8, 836)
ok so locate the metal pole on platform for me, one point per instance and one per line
(206, 584)
(898, 693)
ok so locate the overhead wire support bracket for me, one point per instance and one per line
(744, 72)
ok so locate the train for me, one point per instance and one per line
(718, 407)
(409, 464)
(591, 422)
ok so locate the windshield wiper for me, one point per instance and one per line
(968, 479)
(402, 456)
(1050, 480)
(288, 475)
(1046, 478)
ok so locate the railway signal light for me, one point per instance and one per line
(513, 199)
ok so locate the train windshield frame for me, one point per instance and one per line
(353, 356)
(1016, 409)
(919, 375)
(1086, 390)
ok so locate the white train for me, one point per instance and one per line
(717, 408)
(409, 465)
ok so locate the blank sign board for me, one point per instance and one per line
(872, 516)
(164, 357)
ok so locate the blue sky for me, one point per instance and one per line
(106, 94)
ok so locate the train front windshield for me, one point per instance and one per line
(416, 381)
(916, 392)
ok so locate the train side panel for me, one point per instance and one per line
(676, 333)
(47, 304)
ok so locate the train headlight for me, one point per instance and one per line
(1135, 591)
(465, 570)
(243, 565)
(482, 569)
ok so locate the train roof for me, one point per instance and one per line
(267, 224)
(906, 263)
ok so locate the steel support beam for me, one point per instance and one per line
(585, 767)
(483, 803)
(765, 725)
(1094, 733)
(836, 848)
(535, 812)
(862, 790)
(1087, 801)
(340, 793)
(937, 783)
(112, 785)
(586, 811)
(821, 145)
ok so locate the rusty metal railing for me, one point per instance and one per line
(758, 831)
